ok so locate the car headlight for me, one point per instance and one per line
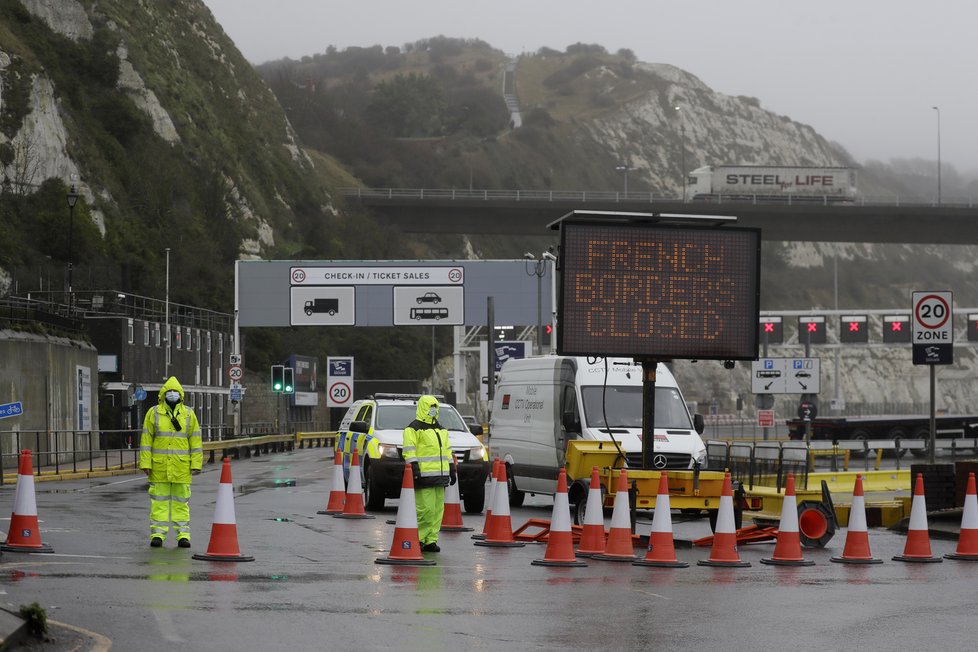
(479, 453)
(389, 451)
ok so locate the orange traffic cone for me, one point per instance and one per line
(353, 504)
(560, 541)
(24, 534)
(967, 549)
(223, 545)
(337, 493)
(724, 551)
(451, 520)
(619, 545)
(492, 498)
(406, 547)
(857, 537)
(917, 547)
(592, 532)
(662, 548)
(500, 529)
(787, 551)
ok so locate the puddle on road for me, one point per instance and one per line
(278, 483)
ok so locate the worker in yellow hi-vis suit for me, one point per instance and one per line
(170, 453)
(427, 450)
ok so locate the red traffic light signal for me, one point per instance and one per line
(896, 329)
(811, 329)
(854, 329)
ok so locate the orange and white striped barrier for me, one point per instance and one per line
(406, 547)
(967, 549)
(592, 532)
(917, 547)
(856, 550)
(619, 546)
(24, 534)
(500, 529)
(724, 551)
(223, 545)
(353, 504)
(451, 520)
(787, 550)
(337, 492)
(560, 541)
(662, 547)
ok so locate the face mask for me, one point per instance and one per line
(433, 412)
(172, 397)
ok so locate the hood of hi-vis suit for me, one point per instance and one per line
(425, 403)
(171, 383)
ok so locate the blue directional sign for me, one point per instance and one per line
(11, 410)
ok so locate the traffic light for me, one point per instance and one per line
(973, 327)
(548, 331)
(854, 329)
(771, 330)
(289, 378)
(278, 378)
(896, 329)
(811, 329)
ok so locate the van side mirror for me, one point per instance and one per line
(360, 426)
(571, 423)
(699, 424)
(476, 429)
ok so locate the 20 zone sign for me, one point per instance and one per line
(932, 321)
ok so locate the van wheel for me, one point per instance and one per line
(515, 495)
(373, 495)
(475, 499)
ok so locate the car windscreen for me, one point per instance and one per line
(623, 406)
(399, 417)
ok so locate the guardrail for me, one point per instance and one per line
(584, 196)
(82, 460)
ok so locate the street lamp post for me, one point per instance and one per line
(72, 200)
(682, 132)
(938, 109)
(624, 170)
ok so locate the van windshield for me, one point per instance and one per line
(623, 405)
(398, 417)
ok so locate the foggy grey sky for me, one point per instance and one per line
(864, 73)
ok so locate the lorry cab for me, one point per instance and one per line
(542, 403)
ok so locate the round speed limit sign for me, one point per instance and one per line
(932, 317)
(340, 394)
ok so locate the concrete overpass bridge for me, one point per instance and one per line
(528, 212)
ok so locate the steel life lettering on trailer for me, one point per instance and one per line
(669, 292)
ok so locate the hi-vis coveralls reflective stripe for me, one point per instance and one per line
(426, 443)
(170, 446)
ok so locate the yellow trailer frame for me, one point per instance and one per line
(688, 489)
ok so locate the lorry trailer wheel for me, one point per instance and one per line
(922, 434)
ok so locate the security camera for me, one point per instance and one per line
(548, 256)
(729, 364)
(529, 256)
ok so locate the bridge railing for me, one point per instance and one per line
(583, 196)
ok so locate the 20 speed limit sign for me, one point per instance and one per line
(932, 322)
(340, 394)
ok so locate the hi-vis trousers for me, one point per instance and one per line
(169, 503)
(430, 505)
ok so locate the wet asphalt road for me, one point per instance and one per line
(314, 583)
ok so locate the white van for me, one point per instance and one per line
(542, 402)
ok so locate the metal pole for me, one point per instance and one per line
(933, 418)
(235, 348)
(71, 229)
(540, 271)
(432, 359)
(938, 109)
(837, 350)
(166, 371)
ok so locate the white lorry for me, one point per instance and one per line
(541, 403)
(769, 183)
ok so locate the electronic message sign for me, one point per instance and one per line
(659, 292)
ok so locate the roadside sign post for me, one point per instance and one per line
(933, 343)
